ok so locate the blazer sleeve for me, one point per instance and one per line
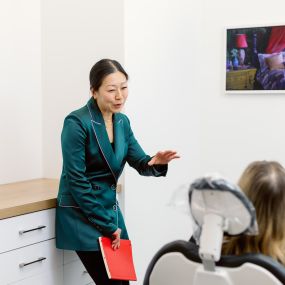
(73, 140)
(137, 158)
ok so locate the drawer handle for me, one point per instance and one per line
(34, 229)
(21, 265)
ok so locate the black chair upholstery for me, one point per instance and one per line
(190, 250)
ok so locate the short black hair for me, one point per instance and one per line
(101, 69)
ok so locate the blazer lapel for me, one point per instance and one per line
(102, 138)
(119, 138)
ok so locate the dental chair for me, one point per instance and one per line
(217, 207)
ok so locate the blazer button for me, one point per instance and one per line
(113, 187)
(115, 207)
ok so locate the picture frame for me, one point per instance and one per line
(254, 59)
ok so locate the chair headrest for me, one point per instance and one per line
(225, 199)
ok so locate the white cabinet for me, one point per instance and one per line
(27, 229)
(28, 255)
(73, 270)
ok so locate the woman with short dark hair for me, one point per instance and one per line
(97, 141)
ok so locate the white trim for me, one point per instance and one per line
(104, 258)
(96, 122)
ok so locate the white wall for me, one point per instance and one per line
(47, 50)
(76, 34)
(236, 129)
(161, 47)
(20, 91)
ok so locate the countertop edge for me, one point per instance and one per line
(27, 208)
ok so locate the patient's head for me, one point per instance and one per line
(264, 184)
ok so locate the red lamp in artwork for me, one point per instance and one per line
(241, 43)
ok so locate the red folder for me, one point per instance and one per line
(119, 263)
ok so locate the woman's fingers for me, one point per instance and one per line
(116, 239)
(169, 151)
(116, 244)
(163, 157)
(168, 155)
(173, 156)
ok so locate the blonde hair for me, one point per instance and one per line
(264, 184)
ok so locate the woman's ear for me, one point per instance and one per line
(93, 93)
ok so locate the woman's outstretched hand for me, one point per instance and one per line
(163, 157)
(116, 239)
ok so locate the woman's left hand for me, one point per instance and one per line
(116, 239)
(163, 157)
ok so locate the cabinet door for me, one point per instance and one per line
(69, 256)
(27, 229)
(42, 279)
(35, 280)
(41, 259)
(74, 273)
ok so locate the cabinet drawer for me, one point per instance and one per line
(69, 256)
(74, 273)
(27, 229)
(42, 279)
(38, 259)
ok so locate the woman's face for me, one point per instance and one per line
(112, 94)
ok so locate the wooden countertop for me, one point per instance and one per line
(27, 196)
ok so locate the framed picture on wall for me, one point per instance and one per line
(255, 58)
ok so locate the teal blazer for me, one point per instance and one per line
(86, 204)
